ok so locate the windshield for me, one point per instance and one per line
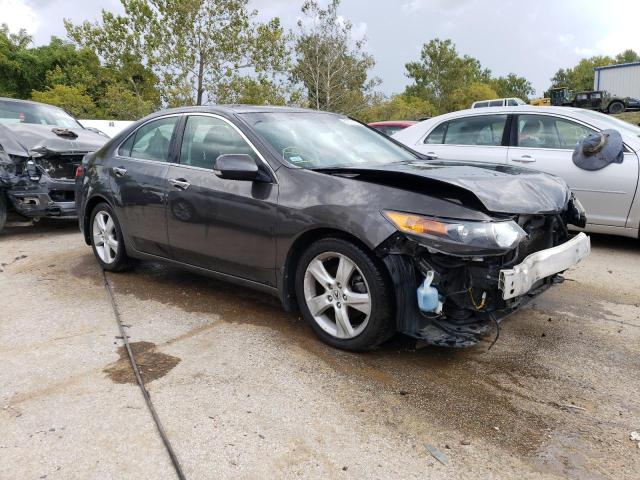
(321, 140)
(615, 123)
(34, 113)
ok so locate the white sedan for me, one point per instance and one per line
(542, 138)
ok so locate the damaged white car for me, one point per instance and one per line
(41, 147)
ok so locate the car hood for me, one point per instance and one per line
(499, 188)
(21, 138)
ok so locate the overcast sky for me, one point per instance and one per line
(532, 38)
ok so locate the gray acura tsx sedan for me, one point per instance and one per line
(361, 234)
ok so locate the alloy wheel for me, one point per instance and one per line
(337, 295)
(105, 237)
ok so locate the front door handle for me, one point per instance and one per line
(524, 159)
(432, 154)
(119, 171)
(180, 183)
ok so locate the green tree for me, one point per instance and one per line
(257, 91)
(580, 77)
(331, 65)
(121, 103)
(465, 95)
(17, 75)
(512, 86)
(441, 71)
(628, 56)
(201, 44)
(398, 107)
(72, 99)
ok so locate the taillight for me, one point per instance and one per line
(79, 171)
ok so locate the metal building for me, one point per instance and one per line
(620, 80)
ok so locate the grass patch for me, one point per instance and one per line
(631, 117)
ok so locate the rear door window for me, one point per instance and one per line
(544, 131)
(478, 130)
(152, 140)
(496, 103)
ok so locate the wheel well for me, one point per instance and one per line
(88, 208)
(301, 244)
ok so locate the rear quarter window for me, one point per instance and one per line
(437, 134)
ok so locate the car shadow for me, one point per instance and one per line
(26, 228)
(614, 242)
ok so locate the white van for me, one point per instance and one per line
(498, 102)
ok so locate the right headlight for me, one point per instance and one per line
(459, 237)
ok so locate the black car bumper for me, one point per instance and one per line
(48, 198)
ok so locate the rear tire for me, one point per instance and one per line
(107, 240)
(344, 295)
(3, 210)
(616, 107)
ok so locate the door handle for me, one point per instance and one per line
(119, 171)
(180, 183)
(524, 159)
(432, 154)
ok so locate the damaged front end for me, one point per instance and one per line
(454, 279)
(41, 184)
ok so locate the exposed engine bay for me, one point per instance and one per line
(470, 290)
(41, 186)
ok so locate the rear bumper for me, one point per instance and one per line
(521, 278)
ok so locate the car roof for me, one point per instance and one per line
(511, 109)
(393, 123)
(30, 102)
(237, 108)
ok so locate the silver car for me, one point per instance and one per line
(542, 138)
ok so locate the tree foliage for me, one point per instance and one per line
(465, 95)
(441, 72)
(72, 99)
(398, 107)
(74, 79)
(331, 65)
(512, 86)
(581, 76)
(195, 47)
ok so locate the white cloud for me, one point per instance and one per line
(18, 14)
(566, 38)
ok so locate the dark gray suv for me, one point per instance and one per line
(363, 235)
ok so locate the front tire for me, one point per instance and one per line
(344, 295)
(616, 107)
(107, 240)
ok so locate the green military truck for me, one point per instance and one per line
(599, 100)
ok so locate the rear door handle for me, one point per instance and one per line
(524, 159)
(180, 183)
(119, 171)
(432, 154)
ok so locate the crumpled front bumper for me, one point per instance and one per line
(47, 198)
(520, 279)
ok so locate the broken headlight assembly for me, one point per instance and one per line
(458, 237)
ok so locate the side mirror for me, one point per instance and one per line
(236, 166)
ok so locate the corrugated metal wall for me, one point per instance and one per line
(622, 81)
